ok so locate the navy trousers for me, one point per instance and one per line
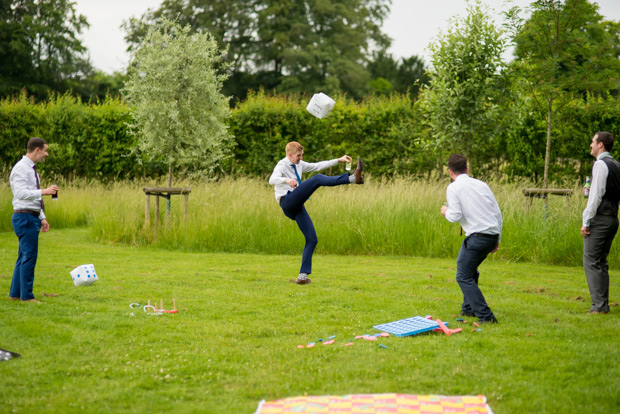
(293, 207)
(26, 227)
(473, 252)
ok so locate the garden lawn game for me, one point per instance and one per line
(377, 403)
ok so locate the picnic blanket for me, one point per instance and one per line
(377, 403)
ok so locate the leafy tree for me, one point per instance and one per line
(290, 46)
(178, 109)
(98, 85)
(564, 51)
(39, 46)
(466, 98)
(406, 75)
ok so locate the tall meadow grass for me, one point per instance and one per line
(381, 217)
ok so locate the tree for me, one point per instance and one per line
(290, 46)
(466, 98)
(564, 51)
(174, 88)
(39, 46)
(405, 76)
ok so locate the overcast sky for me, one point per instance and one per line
(412, 24)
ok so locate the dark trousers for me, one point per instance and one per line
(293, 207)
(26, 227)
(473, 252)
(596, 248)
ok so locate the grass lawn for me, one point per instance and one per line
(234, 340)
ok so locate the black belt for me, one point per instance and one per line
(485, 236)
(36, 213)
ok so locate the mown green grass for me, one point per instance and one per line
(234, 340)
(396, 217)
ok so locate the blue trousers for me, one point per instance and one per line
(473, 252)
(26, 227)
(293, 207)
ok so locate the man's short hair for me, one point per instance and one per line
(294, 147)
(35, 143)
(606, 139)
(457, 163)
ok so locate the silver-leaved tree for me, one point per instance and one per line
(174, 89)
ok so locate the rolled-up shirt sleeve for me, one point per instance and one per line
(318, 166)
(21, 191)
(277, 176)
(597, 191)
(454, 212)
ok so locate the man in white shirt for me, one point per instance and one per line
(28, 217)
(292, 193)
(472, 203)
(600, 220)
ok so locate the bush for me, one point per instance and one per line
(86, 140)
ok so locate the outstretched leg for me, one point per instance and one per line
(295, 199)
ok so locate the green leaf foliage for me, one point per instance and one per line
(467, 99)
(40, 48)
(86, 140)
(389, 132)
(292, 46)
(565, 51)
(177, 108)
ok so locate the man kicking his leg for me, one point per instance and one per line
(292, 193)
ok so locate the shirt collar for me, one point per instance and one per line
(603, 155)
(28, 161)
(461, 175)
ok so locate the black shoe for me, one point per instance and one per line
(491, 320)
(359, 178)
(467, 314)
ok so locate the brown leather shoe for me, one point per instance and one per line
(359, 178)
(12, 298)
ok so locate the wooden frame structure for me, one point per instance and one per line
(544, 193)
(165, 192)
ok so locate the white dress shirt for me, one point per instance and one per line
(23, 182)
(284, 169)
(472, 203)
(597, 188)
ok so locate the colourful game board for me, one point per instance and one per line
(409, 326)
(377, 403)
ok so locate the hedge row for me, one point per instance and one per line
(89, 141)
(92, 141)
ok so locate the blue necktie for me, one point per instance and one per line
(36, 177)
(296, 173)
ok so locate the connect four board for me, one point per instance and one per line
(409, 326)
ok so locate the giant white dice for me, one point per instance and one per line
(84, 275)
(320, 105)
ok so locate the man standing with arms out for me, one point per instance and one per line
(292, 193)
(28, 217)
(473, 205)
(600, 220)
